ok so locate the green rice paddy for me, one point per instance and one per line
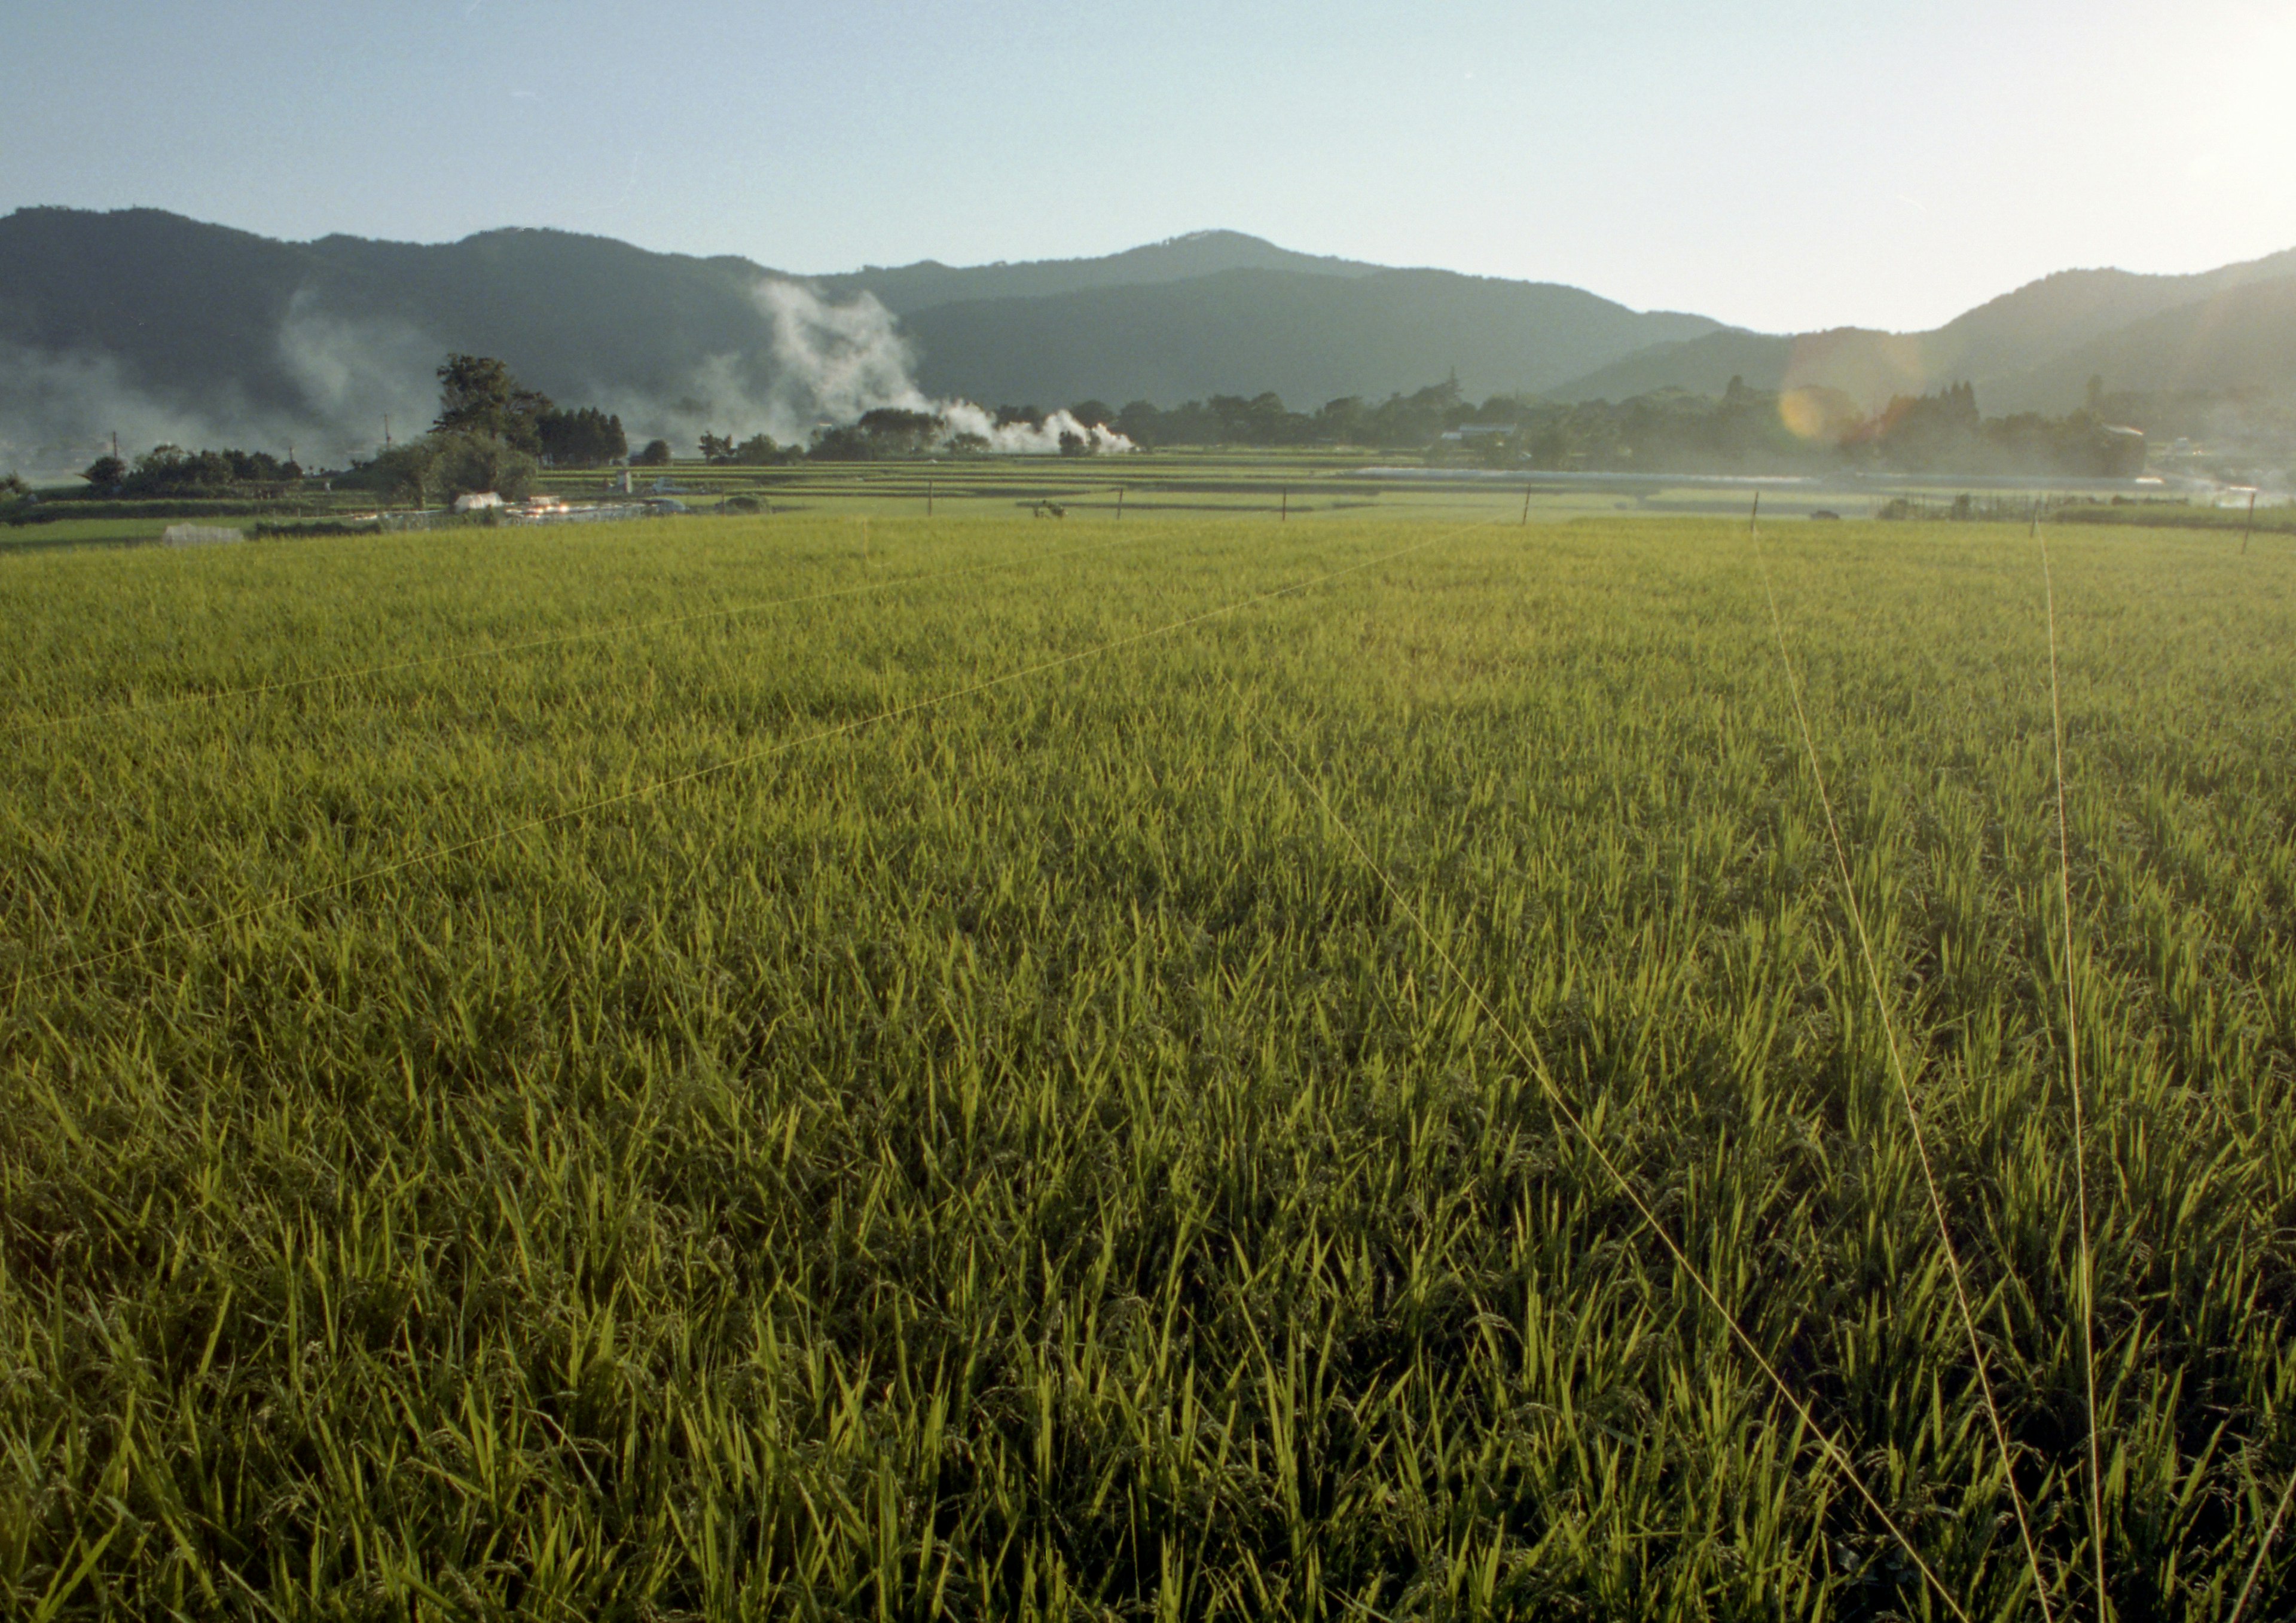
(844, 1064)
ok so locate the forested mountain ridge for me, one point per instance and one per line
(1308, 337)
(165, 328)
(146, 314)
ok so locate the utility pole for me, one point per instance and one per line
(1119, 504)
(2250, 525)
(929, 498)
(386, 430)
(1285, 513)
(1525, 504)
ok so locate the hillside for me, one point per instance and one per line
(909, 288)
(163, 328)
(1310, 338)
(2017, 348)
(2242, 338)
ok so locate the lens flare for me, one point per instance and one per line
(1814, 413)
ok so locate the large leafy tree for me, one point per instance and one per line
(469, 464)
(478, 395)
(407, 471)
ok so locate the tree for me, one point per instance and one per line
(105, 472)
(471, 464)
(1344, 419)
(582, 438)
(758, 451)
(1140, 422)
(477, 394)
(166, 470)
(13, 489)
(889, 430)
(404, 472)
(656, 455)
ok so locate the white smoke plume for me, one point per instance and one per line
(833, 362)
(354, 373)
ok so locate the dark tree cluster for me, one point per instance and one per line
(584, 437)
(1412, 419)
(1671, 430)
(1945, 433)
(888, 431)
(757, 451)
(170, 471)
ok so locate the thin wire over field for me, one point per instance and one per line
(1528, 1051)
(2087, 1282)
(1897, 1070)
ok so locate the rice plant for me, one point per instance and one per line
(1017, 1077)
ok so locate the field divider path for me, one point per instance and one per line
(504, 650)
(1897, 1070)
(1533, 1058)
(749, 757)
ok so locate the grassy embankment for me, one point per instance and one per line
(1014, 1156)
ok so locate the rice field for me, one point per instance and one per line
(860, 1066)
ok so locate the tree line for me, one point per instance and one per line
(170, 471)
(1671, 431)
(492, 433)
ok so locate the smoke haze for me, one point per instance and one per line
(830, 364)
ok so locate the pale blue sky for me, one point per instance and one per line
(1783, 165)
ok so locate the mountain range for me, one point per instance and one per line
(160, 327)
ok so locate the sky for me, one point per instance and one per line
(1784, 166)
